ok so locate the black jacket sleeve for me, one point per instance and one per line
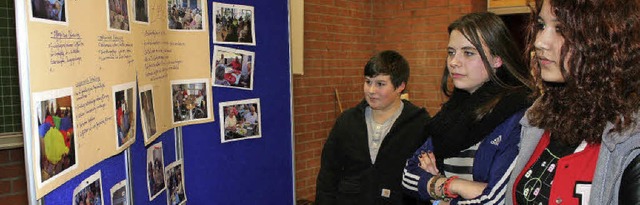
(630, 185)
(330, 169)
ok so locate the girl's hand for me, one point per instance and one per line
(428, 163)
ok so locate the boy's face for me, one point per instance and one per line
(380, 93)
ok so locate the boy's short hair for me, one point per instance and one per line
(390, 63)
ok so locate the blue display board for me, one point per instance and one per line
(251, 171)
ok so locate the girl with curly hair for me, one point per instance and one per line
(581, 138)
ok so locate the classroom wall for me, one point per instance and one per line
(340, 36)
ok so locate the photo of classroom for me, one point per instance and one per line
(234, 24)
(185, 14)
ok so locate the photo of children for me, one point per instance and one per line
(89, 192)
(55, 132)
(141, 10)
(175, 183)
(234, 24)
(148, 113)
(232, 68)
(155, 170)
(189, 100)
(119, 193)
(124, 114)
(118, 15)
(185, 15)
(51, 10)
(241, 120)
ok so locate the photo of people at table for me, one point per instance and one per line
(185, 15)
(240, 120)
(118, 15)
(232, 68)
(124, 115)
(53, 10)
(175, 184)
(233, 24)
(155, 170)
(89, 191)
(148, 113)
(189, 100)
(55, 132)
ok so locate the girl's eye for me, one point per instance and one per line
(559, 29)
(451, 53)
(380, 84)
(540, 25)
(469, 53)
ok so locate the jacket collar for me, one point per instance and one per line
(610, 138)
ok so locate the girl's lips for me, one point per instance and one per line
(544, 61)
(456, 75)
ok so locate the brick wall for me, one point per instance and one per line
(340, 36)
(13, 185)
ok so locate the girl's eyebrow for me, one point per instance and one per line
(463, 48)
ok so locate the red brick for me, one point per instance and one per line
(12, 170)
(19, 185)
(5, 187)
(5, 156)
(18, 199)
(17, 154)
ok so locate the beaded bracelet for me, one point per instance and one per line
(432, 185)
(443, 196)
(447, 187)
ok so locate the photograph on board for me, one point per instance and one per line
(234, 24)
(241, 120)
(185, 15)
(232, 68)
(119, 193)
(49, 10)
(155, 170)
(189, 99)
(89, 191)
(175, 183)
(55, 132)
(118, 15)
(148, 114)
(124, 113)
(141, 10)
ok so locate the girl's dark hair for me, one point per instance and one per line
(602, 71)
(485, 28)
(389, 63)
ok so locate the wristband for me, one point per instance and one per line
(432, 185)
(447, 187)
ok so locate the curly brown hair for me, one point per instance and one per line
(602, 70)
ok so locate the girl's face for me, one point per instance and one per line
(547, 45)
(380, 93)
(465, 65)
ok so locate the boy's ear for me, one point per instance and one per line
(401, 87)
